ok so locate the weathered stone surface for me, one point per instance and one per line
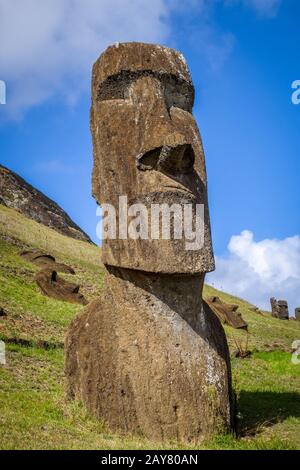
(54, 286)
(297, 313)
(16, 193)
(149, 356)
(279, 309)
(227, 313)
(142, 110)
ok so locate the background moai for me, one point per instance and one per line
(279, 309)
(227, 313)
(149, 356)
(297, 313)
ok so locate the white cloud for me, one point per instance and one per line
(259, 270)
(48, 47)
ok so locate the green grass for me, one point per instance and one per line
(34, 411)
(32, 234)
(268, 386)
(35, 414)
(265, 332)
(32, 315)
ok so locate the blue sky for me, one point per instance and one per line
(243, 55)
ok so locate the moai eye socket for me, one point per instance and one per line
(114, 88)
(148, 160)
(170, 160)
(178, 93)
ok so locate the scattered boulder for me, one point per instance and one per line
(227, 313)
(45, 261)
(54, 286)
(297, 313)
(280, 309)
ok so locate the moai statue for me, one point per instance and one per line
(283, 310)
(297, 313)
(148, 356)
(274, 307)
(279, 309)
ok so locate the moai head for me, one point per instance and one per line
(147, 148)
(297, 313)
(283, 309)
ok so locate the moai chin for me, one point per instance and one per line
(149, 356)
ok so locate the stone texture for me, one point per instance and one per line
(136, 114)
(150, 356)
(17, 194)
(227, 313)
(280, 309)
(54, 286)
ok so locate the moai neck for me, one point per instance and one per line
(161, 294)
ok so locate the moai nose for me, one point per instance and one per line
(170, 159)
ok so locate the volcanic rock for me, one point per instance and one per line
(16, 193)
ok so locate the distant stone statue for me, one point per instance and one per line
(279, 309)
(297, 313)
(227, 313)
(148, 356)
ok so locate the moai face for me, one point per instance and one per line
(283, 309)
(147, 147)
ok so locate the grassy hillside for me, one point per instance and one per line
(34, 412)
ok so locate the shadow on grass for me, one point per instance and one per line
(264, 409)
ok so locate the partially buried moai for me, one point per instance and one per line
(149, 356)
(280, 309)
